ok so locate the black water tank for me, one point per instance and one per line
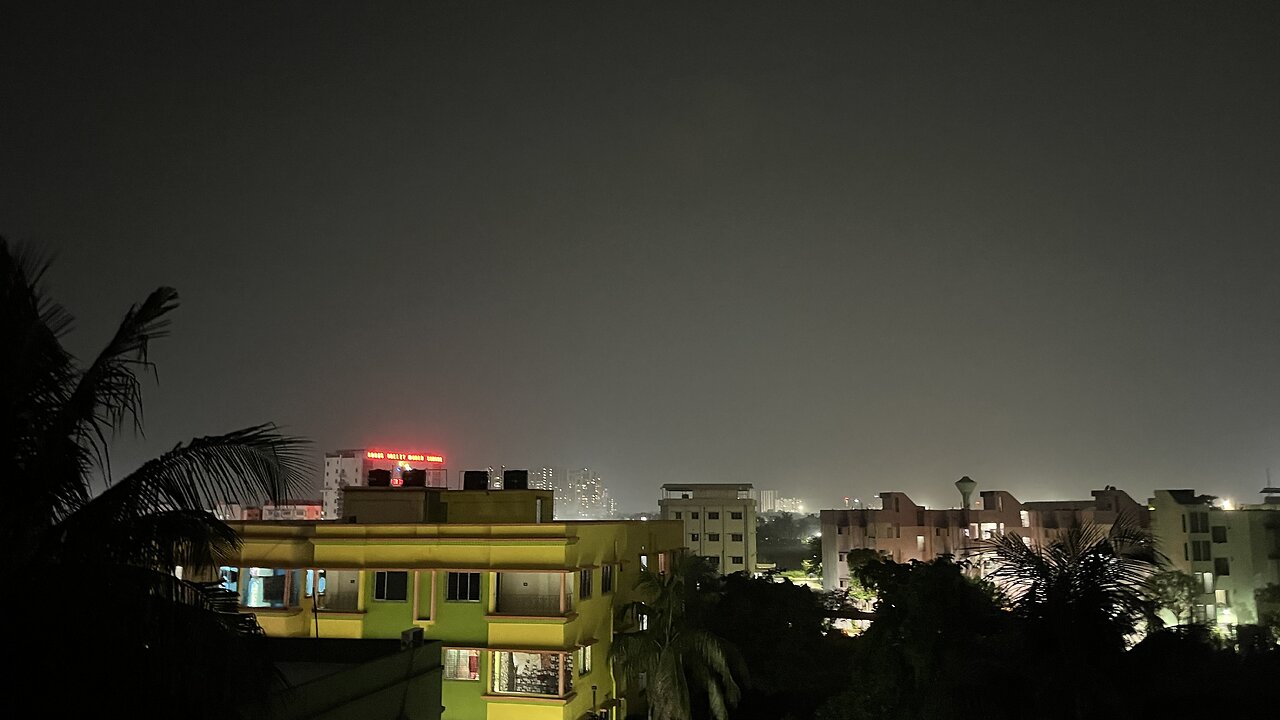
(515, 479)
(379, 478)
(475, 480)
(414, 478)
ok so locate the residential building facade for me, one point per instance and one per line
(719, 521)
(904, 531)
(523, 606)
(1231, 550)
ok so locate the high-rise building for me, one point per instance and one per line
(1232, 550)
(583, 496)
(545, 478)
(363, 467)
(766, 500)
(719, 522)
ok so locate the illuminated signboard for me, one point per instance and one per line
(411, 457)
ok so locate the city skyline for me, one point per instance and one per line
(872, 247)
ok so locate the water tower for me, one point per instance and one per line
(966, 485)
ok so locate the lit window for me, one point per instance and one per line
(463, 587)
(693, 537)
(229, 578)
(584, 660)
(265, 588)
(391, 585)
(528, 673)
(461, 664)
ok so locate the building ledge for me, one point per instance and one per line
(537, 699)
(548, 619)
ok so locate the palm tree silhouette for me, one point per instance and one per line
(98, 598)
(666, 645)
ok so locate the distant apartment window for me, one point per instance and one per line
(1221, 566)
(736, 559)
(1200, 550)
(713, 537)
(694, 515)
(1184, 522)
(1219, 533)
(693, 537)
(463, 587)
(461, 664)
(919, 543)
(713, 516)
(264, 588)
(229, 578)
(839, 529)
(1025, 517)
(662, 562)
(1199, 522)
(644, 562)
(1186, 555)
(391, 585)
(584, 660)
(844, 583)
(897, 507)
(679, 515)
(1206, 580)
(735, 516)
(606, 579)
(584, 583)
(840, 557)
(736, 537)
(712, 560)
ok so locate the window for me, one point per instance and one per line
(712, 560)
(1219, 533)
(606, 579)
(735, 537)
(713, 537)
(736, 559)
(265, 588)
(839, 529)
(694, 515)
(1206, 579)
(1221, 566)
(461, 664)
(919, 543)
(679, 515)
(584, 660)
(735, 516)
(391, 585)
(529, 673)
(693, 537)
(229, 578)
(840, 557)
(713, 516)
(584, 583)
(1184, 523)
(644, 562)
(463, 587)
(1200, 522)
(1200, 550)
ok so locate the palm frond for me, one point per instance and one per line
(251, 464)
(109, 392)
(193, 539)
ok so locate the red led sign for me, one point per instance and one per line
(411, 457)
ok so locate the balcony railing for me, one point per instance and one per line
(535, 604)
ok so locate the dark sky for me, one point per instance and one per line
(829, 248)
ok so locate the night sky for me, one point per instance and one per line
(833, 249)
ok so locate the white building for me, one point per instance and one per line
(346, 468)
(719, 522)
(766, 500)
(1233, 550)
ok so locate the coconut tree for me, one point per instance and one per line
(666, 647)
(93, 554)
(1081, 596)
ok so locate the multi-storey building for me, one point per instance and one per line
(363, 467)
(583, 496)
(904, 531)
(283, 510)
(524, 606)
(719, 522)
(1232, 550)
(766, 500)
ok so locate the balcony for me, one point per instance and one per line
(534, 594)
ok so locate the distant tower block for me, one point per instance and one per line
(966, 485)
